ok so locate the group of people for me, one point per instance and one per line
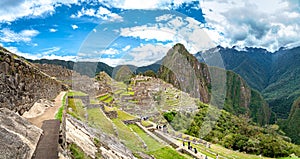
(190, 147)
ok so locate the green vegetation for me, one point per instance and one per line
(76, 93)
(77, 111)
(146, 123)
(106, 98)
(128, 138)
(59, 113)
(103, 97)
(292, 125)
(169, 116)
(149, 73)
(77, 152)
(238, 133)
(167, 153)
(97, 119)
(125, 116)
(151, 143)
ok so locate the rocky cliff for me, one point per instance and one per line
(183, 70)
(22, 84)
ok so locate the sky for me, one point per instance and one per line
(140, 32)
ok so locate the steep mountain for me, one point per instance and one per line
(183, 70)
(276, 75)
(292, 125)
(22, 83)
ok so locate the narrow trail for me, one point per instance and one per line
(49, 112)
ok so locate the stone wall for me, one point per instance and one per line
(22, 84)
(111, 114)
(127, 122)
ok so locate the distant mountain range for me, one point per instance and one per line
(276, 75)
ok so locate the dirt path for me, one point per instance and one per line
(49, 112)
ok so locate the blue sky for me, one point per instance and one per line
(140, 32)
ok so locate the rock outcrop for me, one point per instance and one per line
(183, 70)
(22, 84)
(18, 137)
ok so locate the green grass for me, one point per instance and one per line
(103, 97)
(155, 148)
(97, 119)
(59, 113)
(146, 123)
(126, 135)
(167, 153)
(230, 154)
(76, 93)
(77, 108)
(94, 101)
(108, 100)
(77, 153)
(125, 116)
(151, 143)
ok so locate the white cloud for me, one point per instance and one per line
(147, 54)
(165, 17)
(253, 23)
(52, 30)
(111, 62)
(148, 33)
(109, 51)
(101, 12)
(45, 54)
(94, 30)
(74, 27)
(8, 35)
(146, 4)
(126, 48)
(15, 9)
(174, 30)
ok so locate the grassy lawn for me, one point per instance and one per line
(108, 100)
(127, 136)
(167, 153)
(124, 116)
(151, 143)
(77, 108)
(97, 119)
(230, 154)
(103, 97)
(146, 123)
(76, 93)
(106, 108)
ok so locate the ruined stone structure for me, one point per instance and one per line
(22, 84)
